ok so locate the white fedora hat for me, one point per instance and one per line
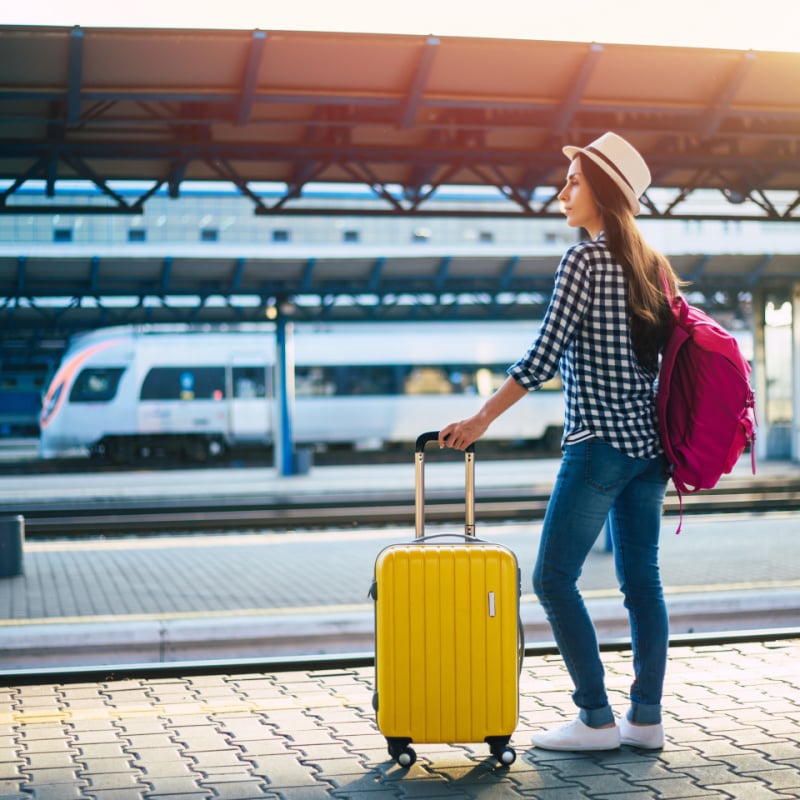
(621, 161)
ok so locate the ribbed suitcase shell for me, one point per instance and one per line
(447, 667)
(447, 634)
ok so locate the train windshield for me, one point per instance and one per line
(96, 385)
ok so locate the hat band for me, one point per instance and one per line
(611, 164)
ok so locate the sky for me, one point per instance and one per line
(734, 24)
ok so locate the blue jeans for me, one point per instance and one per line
(597, 483)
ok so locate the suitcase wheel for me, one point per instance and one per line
(407, 757)
(506, 757)
(401, 751)
(501, 750)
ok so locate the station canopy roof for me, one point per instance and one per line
(400, 114)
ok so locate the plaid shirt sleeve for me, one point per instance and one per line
(586, 334)
(571, 298)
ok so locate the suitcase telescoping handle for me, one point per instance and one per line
(419, 494)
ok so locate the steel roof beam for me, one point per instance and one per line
(755, 276)
(307, 280)
(590, 117)
(228, 173)
(374, 282)
(440, 282)
(249, 82)
(176, 175)
(571, 102)
(238, 275)
(520, 195)
(74, 76)
(303, 174)
(508, 273)
(416, 90)
(94, 276)
(166, 274)
(720, 107)
(699, 267)
(471, 150)
(21, 262)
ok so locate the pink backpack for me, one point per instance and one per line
(705, 404)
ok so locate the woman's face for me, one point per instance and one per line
(577, 202)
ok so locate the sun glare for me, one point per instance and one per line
(733, 24)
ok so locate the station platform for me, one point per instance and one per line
(272, 725)
(731, 716)
(252, 594)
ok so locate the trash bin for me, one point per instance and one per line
(303, 459)
(12, 537)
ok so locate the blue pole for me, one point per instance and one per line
(284, 445)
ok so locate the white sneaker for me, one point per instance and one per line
(648, 737)
(577, 736)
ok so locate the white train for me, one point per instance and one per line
(128, 394)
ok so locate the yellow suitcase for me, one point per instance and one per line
(448, 638)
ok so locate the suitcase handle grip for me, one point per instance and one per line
(419, 494)
(465, 536)
(433, 436)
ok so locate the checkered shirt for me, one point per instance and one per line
(586, 333)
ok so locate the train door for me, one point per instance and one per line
(251, 393)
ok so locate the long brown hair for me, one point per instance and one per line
(648, 304)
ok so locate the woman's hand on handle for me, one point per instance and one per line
(460, 435)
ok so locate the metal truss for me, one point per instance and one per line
(405, 139)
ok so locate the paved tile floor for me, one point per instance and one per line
(732, 719)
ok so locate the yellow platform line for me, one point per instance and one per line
(355, 608)
(176, 709)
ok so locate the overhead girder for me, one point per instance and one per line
(26, 327)
(566, 114)
(709, 169)
(405, 133)
(250, 78)
(371, 284)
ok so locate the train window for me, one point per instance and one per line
(184, 383)
(313, 382)
(429, 380)
(368, 380)
(395, 379)
(481, 379)
(96, 385)
(360, 379)
(249, 382)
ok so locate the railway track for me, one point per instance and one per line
(145, 517)
(22, 459)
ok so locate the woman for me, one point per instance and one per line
(606, 323)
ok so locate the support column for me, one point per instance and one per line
(795, 445)
(759, 375)
(284, 393)
(777, 401)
